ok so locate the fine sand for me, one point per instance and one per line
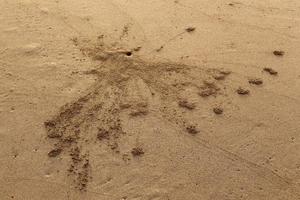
(149, 100)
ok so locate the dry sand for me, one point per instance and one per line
(149, 100)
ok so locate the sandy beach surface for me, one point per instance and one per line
(150, 100)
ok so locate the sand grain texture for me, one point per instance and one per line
(187, 99)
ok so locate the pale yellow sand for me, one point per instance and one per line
(133, 105)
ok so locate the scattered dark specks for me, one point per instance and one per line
(278, 53)
(75, 41)
(192, 129)
(186, 104)
(51, 129)
(137, 151)
(242, 91)
(207, 92)
(190, 29)
(208, 89)
(54, 152)
(270, 71)
(102, 134)
(255, 81)
(218, 110)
